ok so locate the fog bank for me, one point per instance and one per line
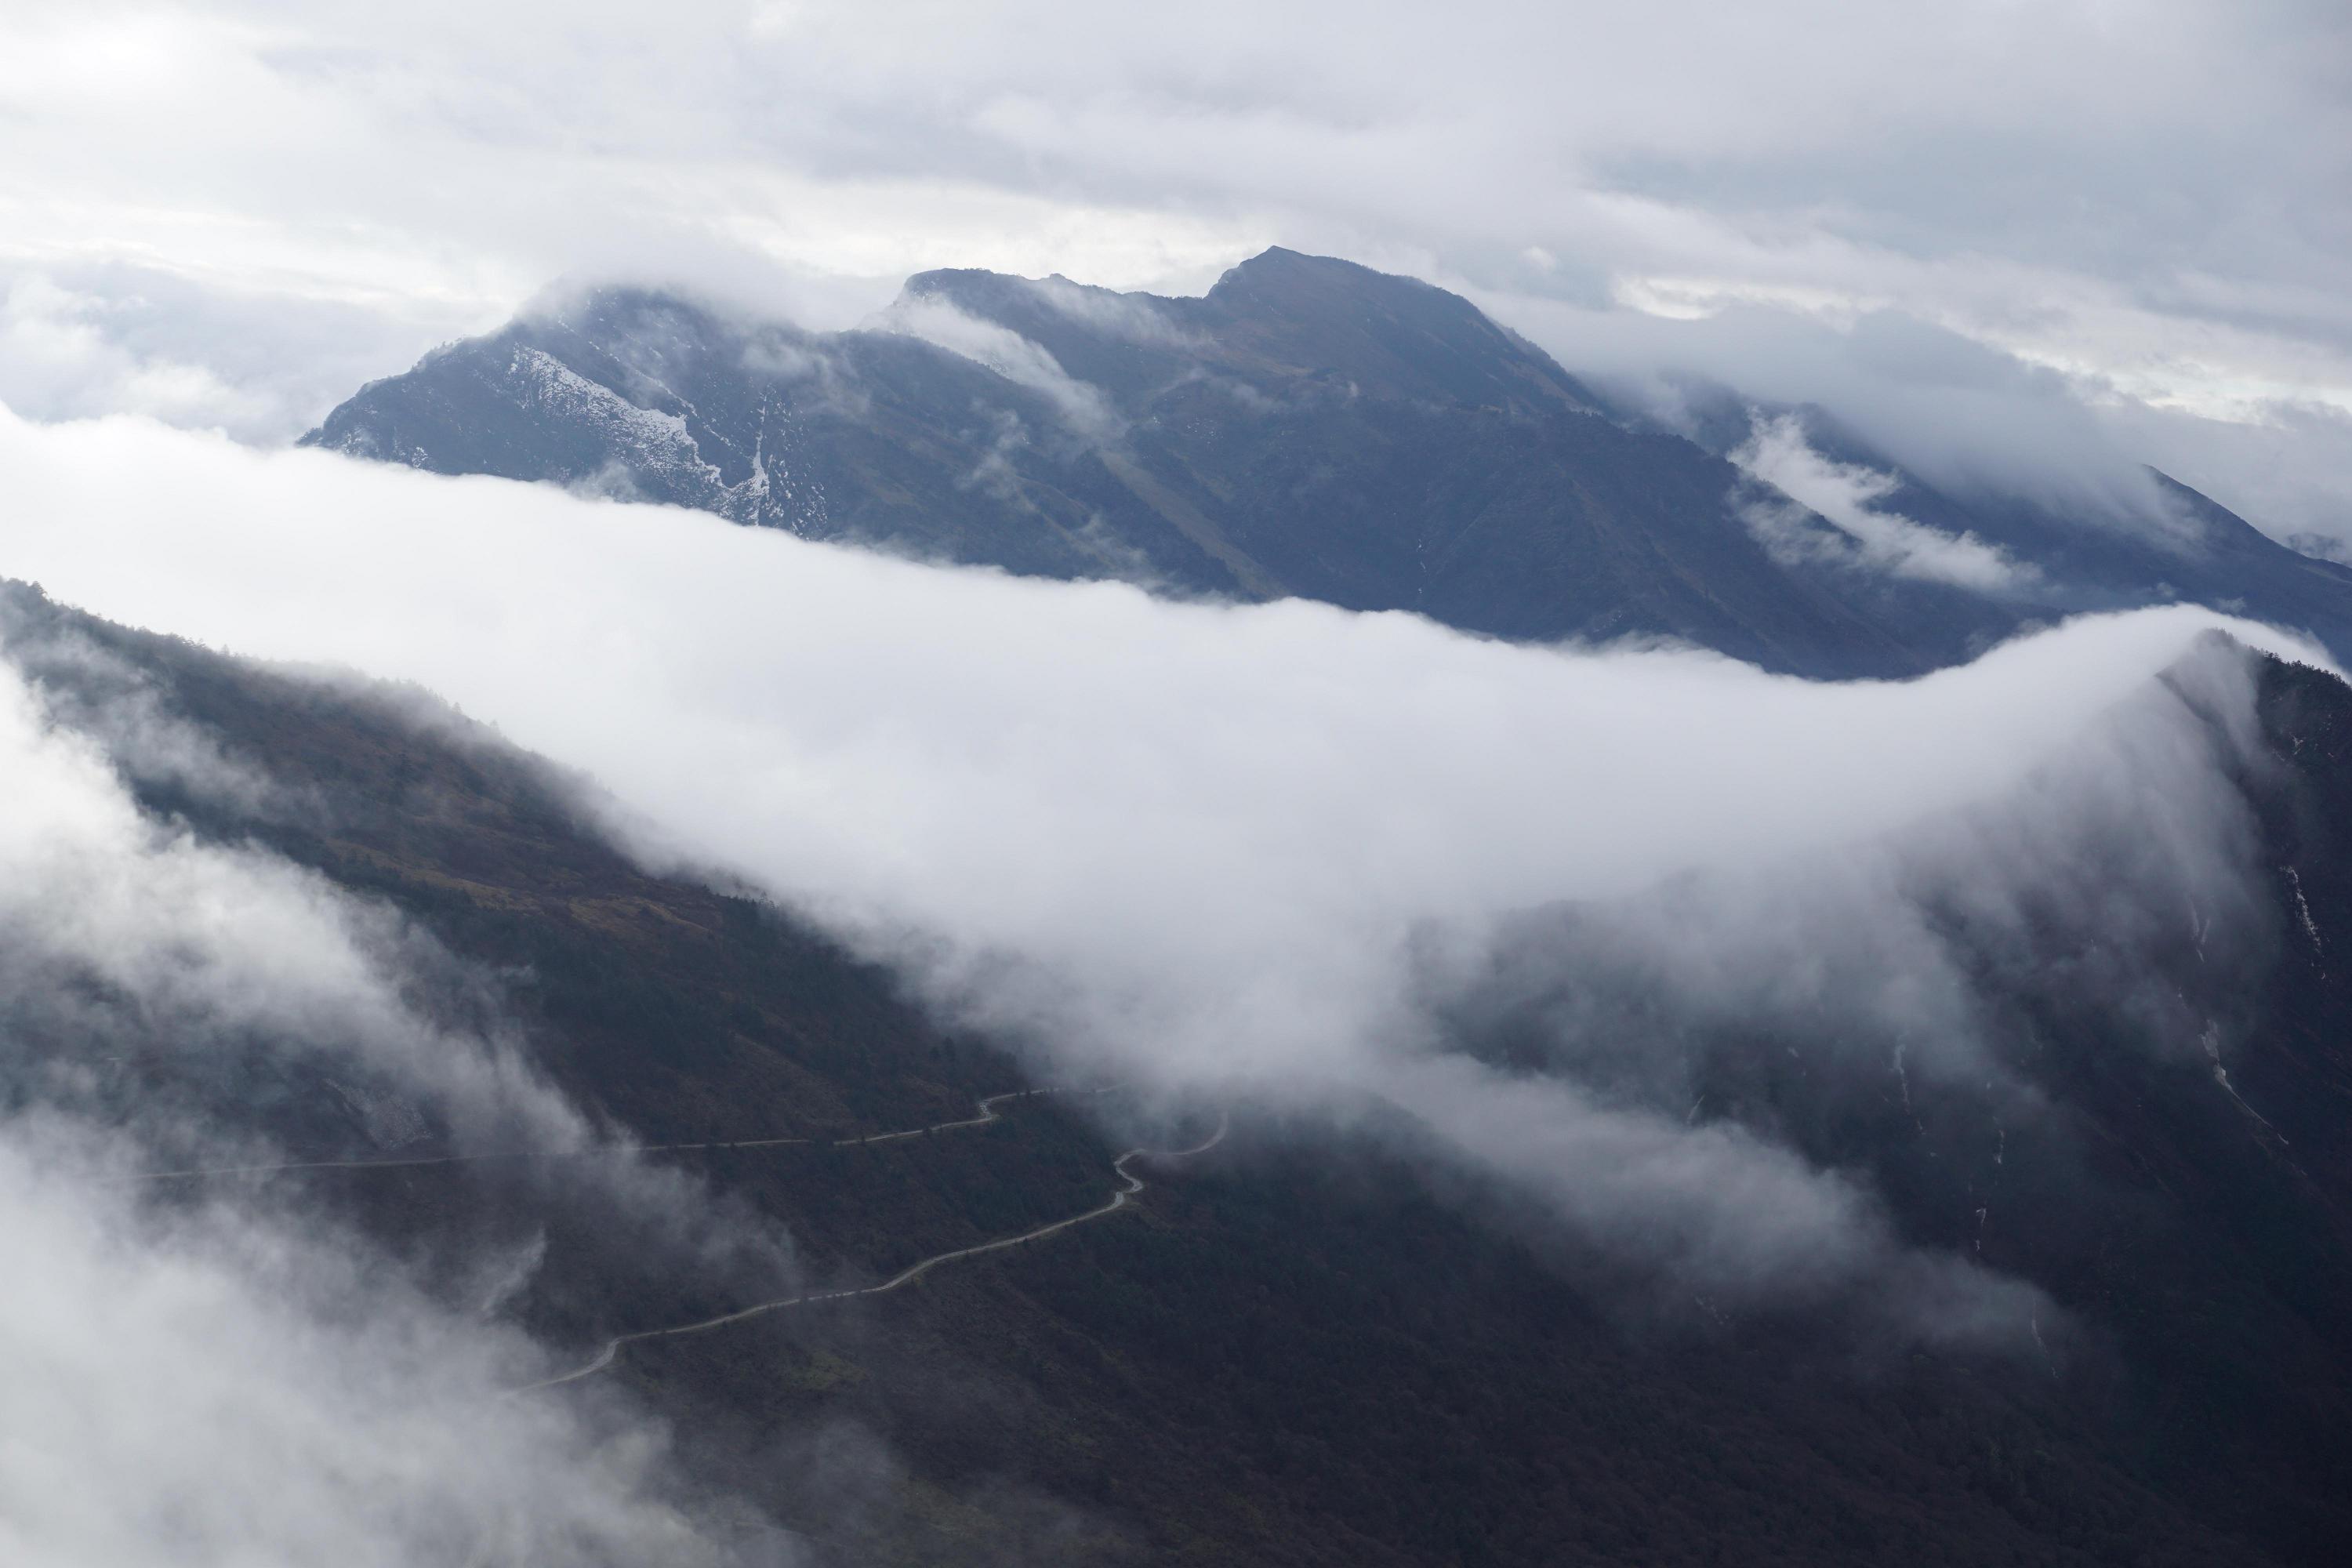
(1193, 846)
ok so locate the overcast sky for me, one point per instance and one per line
(232, 211)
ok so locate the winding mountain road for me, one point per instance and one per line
(987, 1109)
(1133, 1185)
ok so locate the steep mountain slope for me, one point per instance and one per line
(1308, 1349)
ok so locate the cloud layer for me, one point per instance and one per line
(239, 1378)
(216, 1387)
(1193, 846)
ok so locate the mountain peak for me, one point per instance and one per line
(1278, 262)
(1377, 329)
(1279, 316)
(951, 282)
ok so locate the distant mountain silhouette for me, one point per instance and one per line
(1309, 427)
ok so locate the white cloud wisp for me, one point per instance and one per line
(1845, 496)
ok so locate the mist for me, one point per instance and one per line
(1184, 844)
(221, 1387)
(231, 212)
(234, 1374)
(1845, 496)
(1210, 849)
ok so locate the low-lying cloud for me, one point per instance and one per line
(229, 1379)
(1847, 496)
(1083, 407)
(1193, 846)
(211, 1386)
(183, 942)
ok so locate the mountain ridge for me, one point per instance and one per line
(1313, 1351)
(1308, 427)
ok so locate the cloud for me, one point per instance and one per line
(1084, 407)
(62, 360)
(230, 974)
(1969, 419)
(85, 689)
(209, 1381)
(80, 339)
(2139, 207)
(2286, 466)
(1136, 318)
(1195, 846)
(213, 1387)
(206, 942)
(1710, 1207)
(1844, 495)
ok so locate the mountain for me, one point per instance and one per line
(2089, 557)
(1309, 427)
(1306, 1350)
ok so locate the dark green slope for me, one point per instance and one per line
(1306, 1349)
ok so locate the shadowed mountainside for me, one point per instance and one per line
(1309, 1348)
(1309, 427)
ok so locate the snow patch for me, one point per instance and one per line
(2302, 912)
(647, 441)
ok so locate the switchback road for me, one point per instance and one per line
(1131, 1185)
(987, 1109)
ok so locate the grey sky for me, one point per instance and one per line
(229, 212)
